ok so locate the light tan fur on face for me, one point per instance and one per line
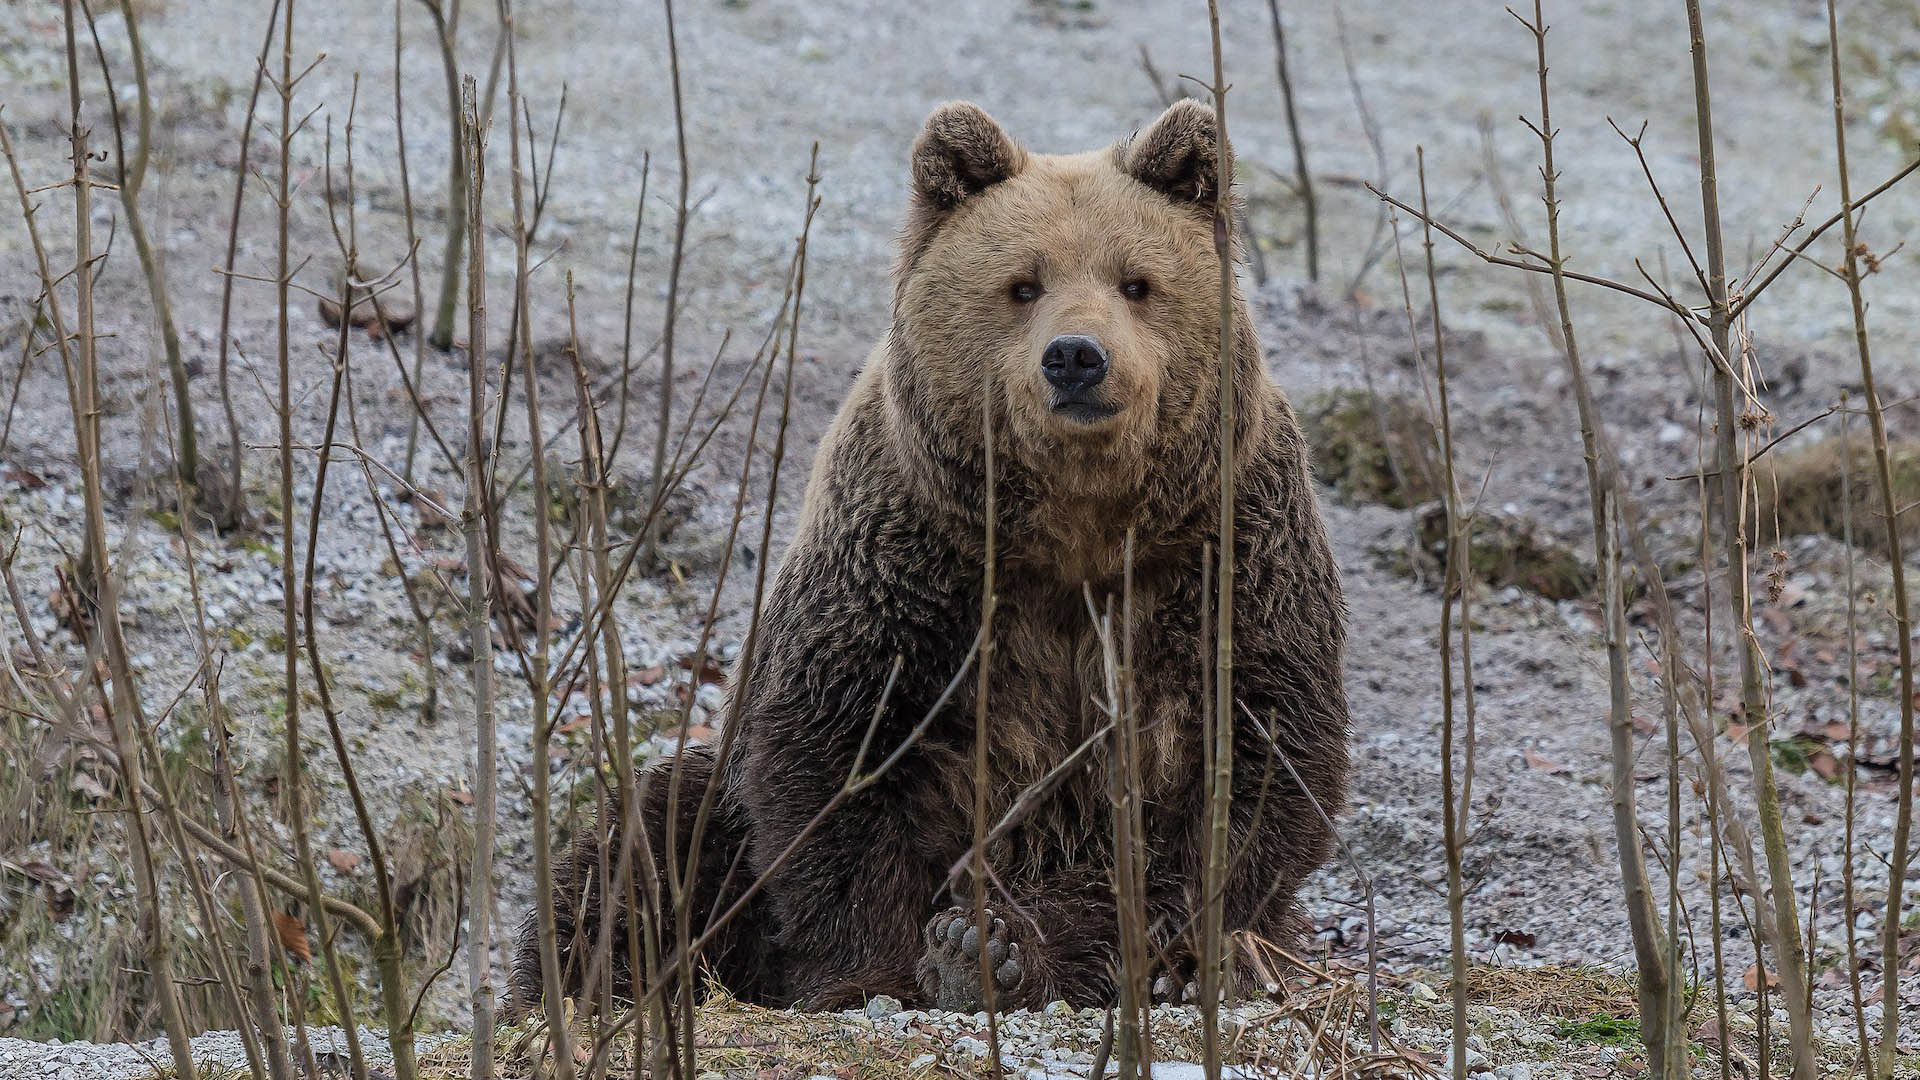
(1080, 227)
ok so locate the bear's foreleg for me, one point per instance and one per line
(851, 901)
(742, 956)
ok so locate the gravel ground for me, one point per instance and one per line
(22, 1060)
(763, 81)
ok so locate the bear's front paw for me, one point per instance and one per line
(949, 970)
(1169, 990)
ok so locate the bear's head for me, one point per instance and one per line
(1080, 296)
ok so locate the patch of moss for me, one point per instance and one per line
(1802, 490)
(1606, 1030)
(1503, 550)
(262, 547)
(389, 699)
(1795, 753)
(1371, 448)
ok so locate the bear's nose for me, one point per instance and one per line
(1074, 362)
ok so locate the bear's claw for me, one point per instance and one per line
(949, 969)
(1168, 990)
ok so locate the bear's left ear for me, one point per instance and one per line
(960, 153)
(1178, 155)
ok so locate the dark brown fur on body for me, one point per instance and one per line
(1003, 252)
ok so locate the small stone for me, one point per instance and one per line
(882, 1005)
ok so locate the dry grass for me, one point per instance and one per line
(1564, 993)
(1800, 492)
(731, 1038)
(1316, 1025)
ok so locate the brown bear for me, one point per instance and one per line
(1078, 297)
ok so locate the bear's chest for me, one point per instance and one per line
(1057, 674)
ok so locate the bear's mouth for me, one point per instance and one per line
(1083, 408)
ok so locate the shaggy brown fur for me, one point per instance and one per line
(1117, 246)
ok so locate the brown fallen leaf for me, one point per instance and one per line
(1708, 1034)
(71, 607)
(343, 860)
(1834, 732)
(59, 900)
(464, 798)
(25, 479)
(1752, 979)
(711, 673)
(649, 676)
(293, 937)
(40, 870)
(1545, 765)
(1519, 939)
(377, 317)
(427, 510)
(1786, 659)
(1823, 763)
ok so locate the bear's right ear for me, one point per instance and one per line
(960, 153)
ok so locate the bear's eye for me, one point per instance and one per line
(1024, 292)
(1135, 289)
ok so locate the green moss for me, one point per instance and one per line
(395, 698)
(261, 547)
(1792, 754)
(1802, 490)
(1370, 448)
(1606, 1030)
(1504, 551)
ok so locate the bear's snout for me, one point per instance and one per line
(1076, 365)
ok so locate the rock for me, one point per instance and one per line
(882, 1005)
